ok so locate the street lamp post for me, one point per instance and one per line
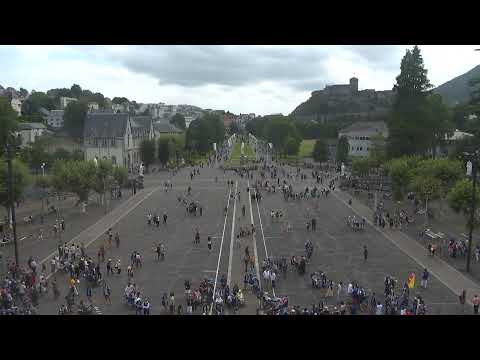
(10, 200)
(472, 168)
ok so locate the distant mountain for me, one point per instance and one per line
(457, 90)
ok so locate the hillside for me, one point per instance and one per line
(458, 90)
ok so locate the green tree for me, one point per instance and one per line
(8, 122)
(77, 155)
(103, 178)
(23, 92)
(147, 152)
(426, 187)
(35, 101)
(409, 129)
(361, 166)
(62, 154)
(460, 199)
(204, 131)
(283, 134)
(320, 151)
(78, 177)
(119, 100)
(21, 179)
(399, 171)
(76, 91)
(378, 153)
(35, 154)
(292, 145)
(120, 174)
(179, 121)
(74, 119)
(343, 148)
(164, 150)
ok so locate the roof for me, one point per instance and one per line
(57, 112)
(31, 126)
(164, 127)
(105, 125)
(44, 111)
(373, 126)
(141, 121)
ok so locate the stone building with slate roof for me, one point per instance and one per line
(359, 136)
(116, 137)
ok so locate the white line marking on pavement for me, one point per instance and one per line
(230, 256)
(254, 237)
(263, 236)
(220, 252)
(209, 271)
(111, 225)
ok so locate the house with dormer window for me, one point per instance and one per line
(116, 137)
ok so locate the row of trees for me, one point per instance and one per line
(434, 179)
(168, 148)
(279, 130)
(204, 131)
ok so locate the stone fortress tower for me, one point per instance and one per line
(354, 84)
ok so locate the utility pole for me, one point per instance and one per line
(472, 167)
(11, 201)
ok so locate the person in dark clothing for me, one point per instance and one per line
(365, 253)
(314, 225)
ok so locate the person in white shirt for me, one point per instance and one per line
(350, 288)
(273, 277)
(339, 289)
(379, 309)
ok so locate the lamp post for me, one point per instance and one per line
(10, 199)
(472, 170)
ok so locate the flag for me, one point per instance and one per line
(411, 280)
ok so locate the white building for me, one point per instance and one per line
(116, 137)
(17, 105)
(120, 108)
(64, 101)
(93, 106)
(30, 131)
(188, 121)
(55, 118)
(359, 136)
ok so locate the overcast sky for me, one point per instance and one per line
(241, 79)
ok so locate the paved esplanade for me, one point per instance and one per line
(338, 250)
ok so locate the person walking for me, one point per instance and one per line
(209, 244)
(365, 253)
(89, 293)
(201, 210)
(197, 237)
(462, 298)
(106, 294)
(424, 281)
(164, 218)
(476, 303)
(117, 240)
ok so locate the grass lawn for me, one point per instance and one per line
(236, 152)
(306, 148)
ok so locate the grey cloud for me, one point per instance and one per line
(299, 67)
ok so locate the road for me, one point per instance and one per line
(338, 250)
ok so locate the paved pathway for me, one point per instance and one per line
(445, 273)
(98, 229)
